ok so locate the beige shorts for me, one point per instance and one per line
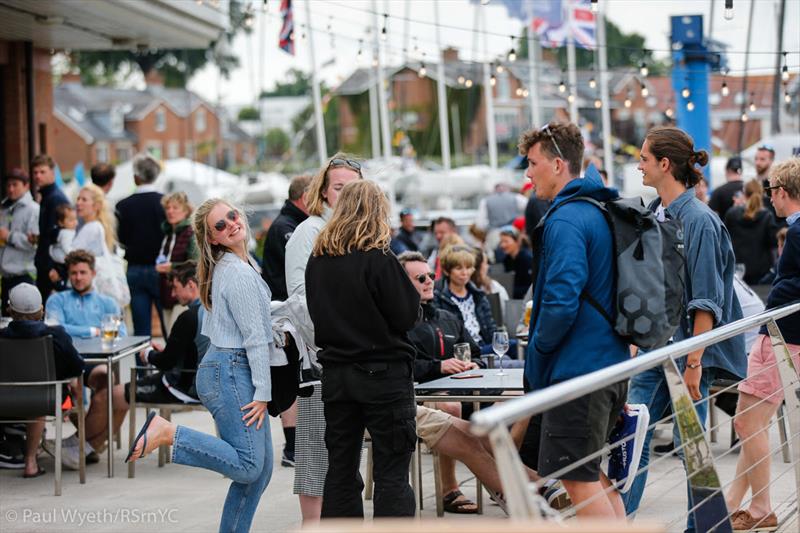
(432, 425)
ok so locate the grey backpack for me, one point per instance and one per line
(648, 270)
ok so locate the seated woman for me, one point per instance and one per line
(518, 259)
(482, 280)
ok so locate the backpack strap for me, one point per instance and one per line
(540, 229)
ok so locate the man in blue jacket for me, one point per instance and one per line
(43, 172)
(569, 337)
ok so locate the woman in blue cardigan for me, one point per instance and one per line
(233, 379)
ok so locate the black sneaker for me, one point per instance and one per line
(287, 458)
(10, 456)
(664, 449)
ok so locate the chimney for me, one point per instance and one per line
(153, 78)
(450, 54)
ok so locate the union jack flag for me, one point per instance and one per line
(551, 21)
(286, 37)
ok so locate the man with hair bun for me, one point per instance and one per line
(669, 162)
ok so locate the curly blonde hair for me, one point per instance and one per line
(787, 175)
(360, 222)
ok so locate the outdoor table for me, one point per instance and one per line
(476, 390)
(94, 352)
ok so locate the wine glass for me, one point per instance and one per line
(462, 352)
(500, 347)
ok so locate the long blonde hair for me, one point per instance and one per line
(360, 221)
(319, 183)
(104, 216)
(754, 192)
(210, 254)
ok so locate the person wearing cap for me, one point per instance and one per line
(518, 259)
(19, 218)
(25, 304)
(497, 210)
(406, 239)
(724, 196)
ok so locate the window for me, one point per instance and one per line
(503, 86)
(154, 149)
(117, 118)
(173, 150)
(101, 152)
(161, 119)
(188, 150)
(200, 120)
(123, 154)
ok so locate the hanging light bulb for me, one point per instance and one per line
(571, 98)
(461, 80)
(374, 61)
(644, 91)
(728, 9)
(512, 54)
(669, 112)
(724, 90)
(592, 83)
(787, 97)
(518, 92)
(562, 87)
(264, 6)
(525, 93)
(689, 106)
(595, 7)
(745, 117)
(643, 70)
(785, 69)
(249, 18)
(360, 49)
(598, 103)
(628, 103)
(492, 80)
(752, 107)
(686, 93)
(500, 69)
(383, 30)
(468, 84)
(422, 71)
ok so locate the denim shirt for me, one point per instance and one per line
(710, 267)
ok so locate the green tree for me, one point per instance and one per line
(176, 65)
(248, 113)
(297, 83)
(276, 142)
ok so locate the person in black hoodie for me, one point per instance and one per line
(363, 305)
(25, 303)
(753, 231)
(42, 170)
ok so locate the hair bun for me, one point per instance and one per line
(700, 158)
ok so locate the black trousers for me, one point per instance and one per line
(379, 397)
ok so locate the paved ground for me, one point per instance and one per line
(178, 498)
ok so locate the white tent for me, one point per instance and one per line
(197, 180)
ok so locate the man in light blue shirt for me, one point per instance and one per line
(81, 309)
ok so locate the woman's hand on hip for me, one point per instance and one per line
(257, 412)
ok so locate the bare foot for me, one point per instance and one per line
(161, 432)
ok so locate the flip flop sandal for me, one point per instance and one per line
(142, 435)
(40, 472)
(453, 505)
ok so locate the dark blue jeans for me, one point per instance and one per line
(143, 282)
(650, 388)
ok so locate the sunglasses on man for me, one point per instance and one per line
(422, 278)
(546, 129)
(231, 215)
(338, 162)
(768, 190)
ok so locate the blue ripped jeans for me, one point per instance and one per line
(243, 454)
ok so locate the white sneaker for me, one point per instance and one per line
(70, 456)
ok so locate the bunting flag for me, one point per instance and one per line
(551, 21)
(286, 37)
(79, 173)
(59, 178)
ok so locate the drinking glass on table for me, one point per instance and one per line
(109, 329)
(462, 352)
(500, 346)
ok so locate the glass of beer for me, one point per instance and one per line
(109, 329)
(462, 352)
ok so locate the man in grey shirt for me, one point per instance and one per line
(19, 219)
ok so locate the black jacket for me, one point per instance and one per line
(180, 352)
(786, 287)
(139, 230)
(522, 267)
(753, 241)
(722, 198)
(362, 305)
(483, 309)
(68, 362)
(274, 272)
(434, 338)
(52, 197)
(405, 241)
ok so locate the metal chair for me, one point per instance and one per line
(165, 410)
(29, 390)
(497, 307)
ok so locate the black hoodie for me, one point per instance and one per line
(753, 241)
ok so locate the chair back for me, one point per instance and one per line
(497, 309)
(506, 279)
(21, 361)
(513, 314)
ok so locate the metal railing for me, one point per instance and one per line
(709, 506)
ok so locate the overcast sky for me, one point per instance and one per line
(262, 63)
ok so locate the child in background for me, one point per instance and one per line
(67, 221)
